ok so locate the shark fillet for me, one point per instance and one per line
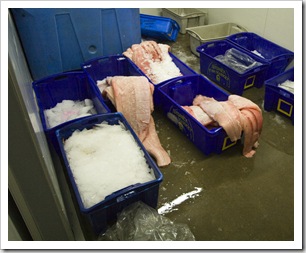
(225, 113)
(238, 116)
(133, 97)
(154, 60)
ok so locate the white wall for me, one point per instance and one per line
(151, 11)
(274, 24)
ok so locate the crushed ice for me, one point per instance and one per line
(165, 69)
(68, 110)
(169, 207)
(287, 85)
(105, 159)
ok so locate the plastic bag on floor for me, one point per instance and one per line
(238, 60)
(140, 222)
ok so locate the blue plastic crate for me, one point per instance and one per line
(119, 65)
(278, 57)
(60, 39)
(184, 69)
(278, 99)
(225, 76)
(115, 65)
(105, 212)
(175, 93)
(102, 67)
(160, 28)
(65, 86)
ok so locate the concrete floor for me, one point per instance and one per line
(241, 199)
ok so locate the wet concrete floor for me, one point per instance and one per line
(241, 199)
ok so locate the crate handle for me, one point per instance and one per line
(283, 57)
(180, 83)
(178, 79)
(239, 28)
(175, 31)
(285, 93)
(176, 24)
(236, 36)
(193, 34)
(62, 77)
(257, 69)
(205, 46)
(126, 193)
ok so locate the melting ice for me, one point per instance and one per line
(168, 207)
(287, 85)
(68, 110)
(105, 159)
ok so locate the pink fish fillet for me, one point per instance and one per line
(147, 54)
(128, 53)
(154, 147)
(109, 93)
(133, 98)
(245, 105)
(141, 58)
(234, 117)
(259, 119)
(242, 103)
(152, 48)
(197, 112)
(225, 113)
(251, 133)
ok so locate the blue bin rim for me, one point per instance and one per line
(58, 75)
(287, 52)
(161, 18)
(270, 83)
(264, 63)
(270, 80)
(87, 63)
(197, 76)
(108, 199)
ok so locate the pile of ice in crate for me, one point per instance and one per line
(105, 159)
(68, 110)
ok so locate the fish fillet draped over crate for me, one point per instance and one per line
(181, 91)
(58, 40)
(102, 67)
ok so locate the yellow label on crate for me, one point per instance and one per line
(280, 102)
(227, 143)
(249, 82)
